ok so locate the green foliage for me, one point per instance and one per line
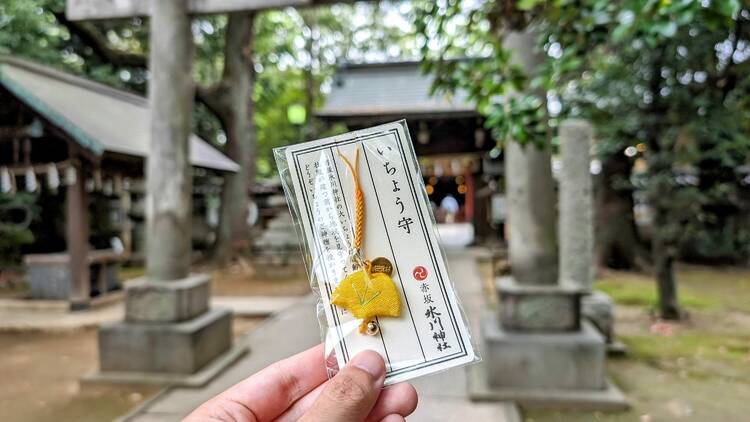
(16, 213)
(670, 76)
(464, 49)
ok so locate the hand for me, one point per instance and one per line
(298, 388)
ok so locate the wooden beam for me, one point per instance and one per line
(77, 239)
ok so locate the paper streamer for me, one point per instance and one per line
(53, 177)
(71, 176)
(5, 183)
(30, 180)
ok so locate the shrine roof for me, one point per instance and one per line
(98, 117)
(389, 89)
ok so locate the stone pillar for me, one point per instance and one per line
(531, 214)
(169, 333)
(537, 347)
(576, 204)
(530, 191)
(169, 182)
(577, 227)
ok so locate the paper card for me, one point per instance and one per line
(430, 335)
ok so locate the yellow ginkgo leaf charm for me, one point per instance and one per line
(367, 296)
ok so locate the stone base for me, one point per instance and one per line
(544, 370)
(546, 361)
(197, 379)
(609, 399)
(598, 308)
(171, 348)
(544, 308)
(166, 301)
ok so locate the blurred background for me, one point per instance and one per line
(661, 87)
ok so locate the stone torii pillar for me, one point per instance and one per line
(169, 332)
(169, 182)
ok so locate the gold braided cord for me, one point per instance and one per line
(359, 200)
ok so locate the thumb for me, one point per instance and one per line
(351, 394)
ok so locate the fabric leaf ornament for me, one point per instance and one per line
(366, 295)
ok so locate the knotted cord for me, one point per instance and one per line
(359, 218)
(359, 199)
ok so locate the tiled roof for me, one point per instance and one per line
(379, 89)
(98, 117)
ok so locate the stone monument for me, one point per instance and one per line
(276, 250)
(539, 349)
(577, 229)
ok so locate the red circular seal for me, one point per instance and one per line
(419, 272)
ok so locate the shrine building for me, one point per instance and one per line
(78, 148)
(454, 149)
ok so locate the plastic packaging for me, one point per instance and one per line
(369, 238)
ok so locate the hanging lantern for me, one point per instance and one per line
(30, 180)
(53, 177)
(423, 136)
(456, 167)
(479, 137)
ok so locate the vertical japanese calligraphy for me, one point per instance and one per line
(431, 334)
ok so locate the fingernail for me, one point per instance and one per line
(370, 362)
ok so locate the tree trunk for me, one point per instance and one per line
(663, 256)
(617, 242)
(661, 190)
(235, 111)
(664, 230)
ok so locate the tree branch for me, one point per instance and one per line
(210, 96)
(91, 36)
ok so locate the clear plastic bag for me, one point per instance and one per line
(359, 260)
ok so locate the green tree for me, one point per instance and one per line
(250, 69)
(668, 76)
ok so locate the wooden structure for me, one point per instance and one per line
(81, 139)
(448, 134)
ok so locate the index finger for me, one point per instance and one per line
(268, 393)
